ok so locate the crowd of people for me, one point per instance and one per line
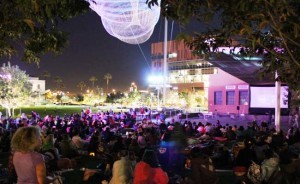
(131, 151)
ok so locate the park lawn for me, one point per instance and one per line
(59, 110)
(44, 110)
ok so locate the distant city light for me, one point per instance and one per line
(172, 55)
(131, 21)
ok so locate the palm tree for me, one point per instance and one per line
(59, 83)
(93, 79)
(107, 77)
(46, 74)
(81, 85)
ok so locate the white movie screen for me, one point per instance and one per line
(264, 97)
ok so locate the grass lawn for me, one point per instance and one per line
(60, 110)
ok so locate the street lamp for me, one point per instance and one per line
(156, 81)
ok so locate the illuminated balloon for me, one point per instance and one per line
(131, 21)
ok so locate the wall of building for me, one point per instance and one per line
(224, 82)
(189, 87)
(37, 84)
(182, 52)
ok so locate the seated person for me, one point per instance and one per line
(78, 141)
(202, 168)
(149, 171)
(67, 147)
(52, 157)
(122, 171)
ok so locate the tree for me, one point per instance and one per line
(93, 79)
(79, 98)
(46, 74)
(99, 90)
(81, 85)
(261, 27)
(15, 88)
(58, 82)
(107, 77)
(31, 27)
(114, 97)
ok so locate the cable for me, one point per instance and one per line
(171, 35)
(141, 49)
(144, 56)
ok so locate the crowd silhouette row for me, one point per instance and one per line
(130, 151)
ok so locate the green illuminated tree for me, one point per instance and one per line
(31, 26)
(261, 27)
(15, 88)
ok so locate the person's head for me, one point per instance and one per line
(76, 131)
(150, 158)
(49, 142)
(66, 137)
(267, 139)
(123, 153)
(26, 139)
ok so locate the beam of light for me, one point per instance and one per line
(131, 21)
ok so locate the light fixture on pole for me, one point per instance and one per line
(277, 105)
(157, 81)
(165, 65)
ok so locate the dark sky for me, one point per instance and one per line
(93, 52)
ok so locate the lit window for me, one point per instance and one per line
(243, 97)
(218, 98)
(230, 98)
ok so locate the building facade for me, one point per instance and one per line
(224, 79)
(227, 94)
(37, 84)
(186, 71)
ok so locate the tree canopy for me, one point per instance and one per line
(30, 27)
(267, 28)
(15, 88)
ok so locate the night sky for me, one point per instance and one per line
(93, 52)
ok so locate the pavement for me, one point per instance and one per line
(232, 120)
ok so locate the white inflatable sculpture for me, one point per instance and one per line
(131, 21)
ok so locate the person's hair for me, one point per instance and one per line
(268, 153)
(150, 158)
(26, 139)
(65, 137)
(123, 153)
